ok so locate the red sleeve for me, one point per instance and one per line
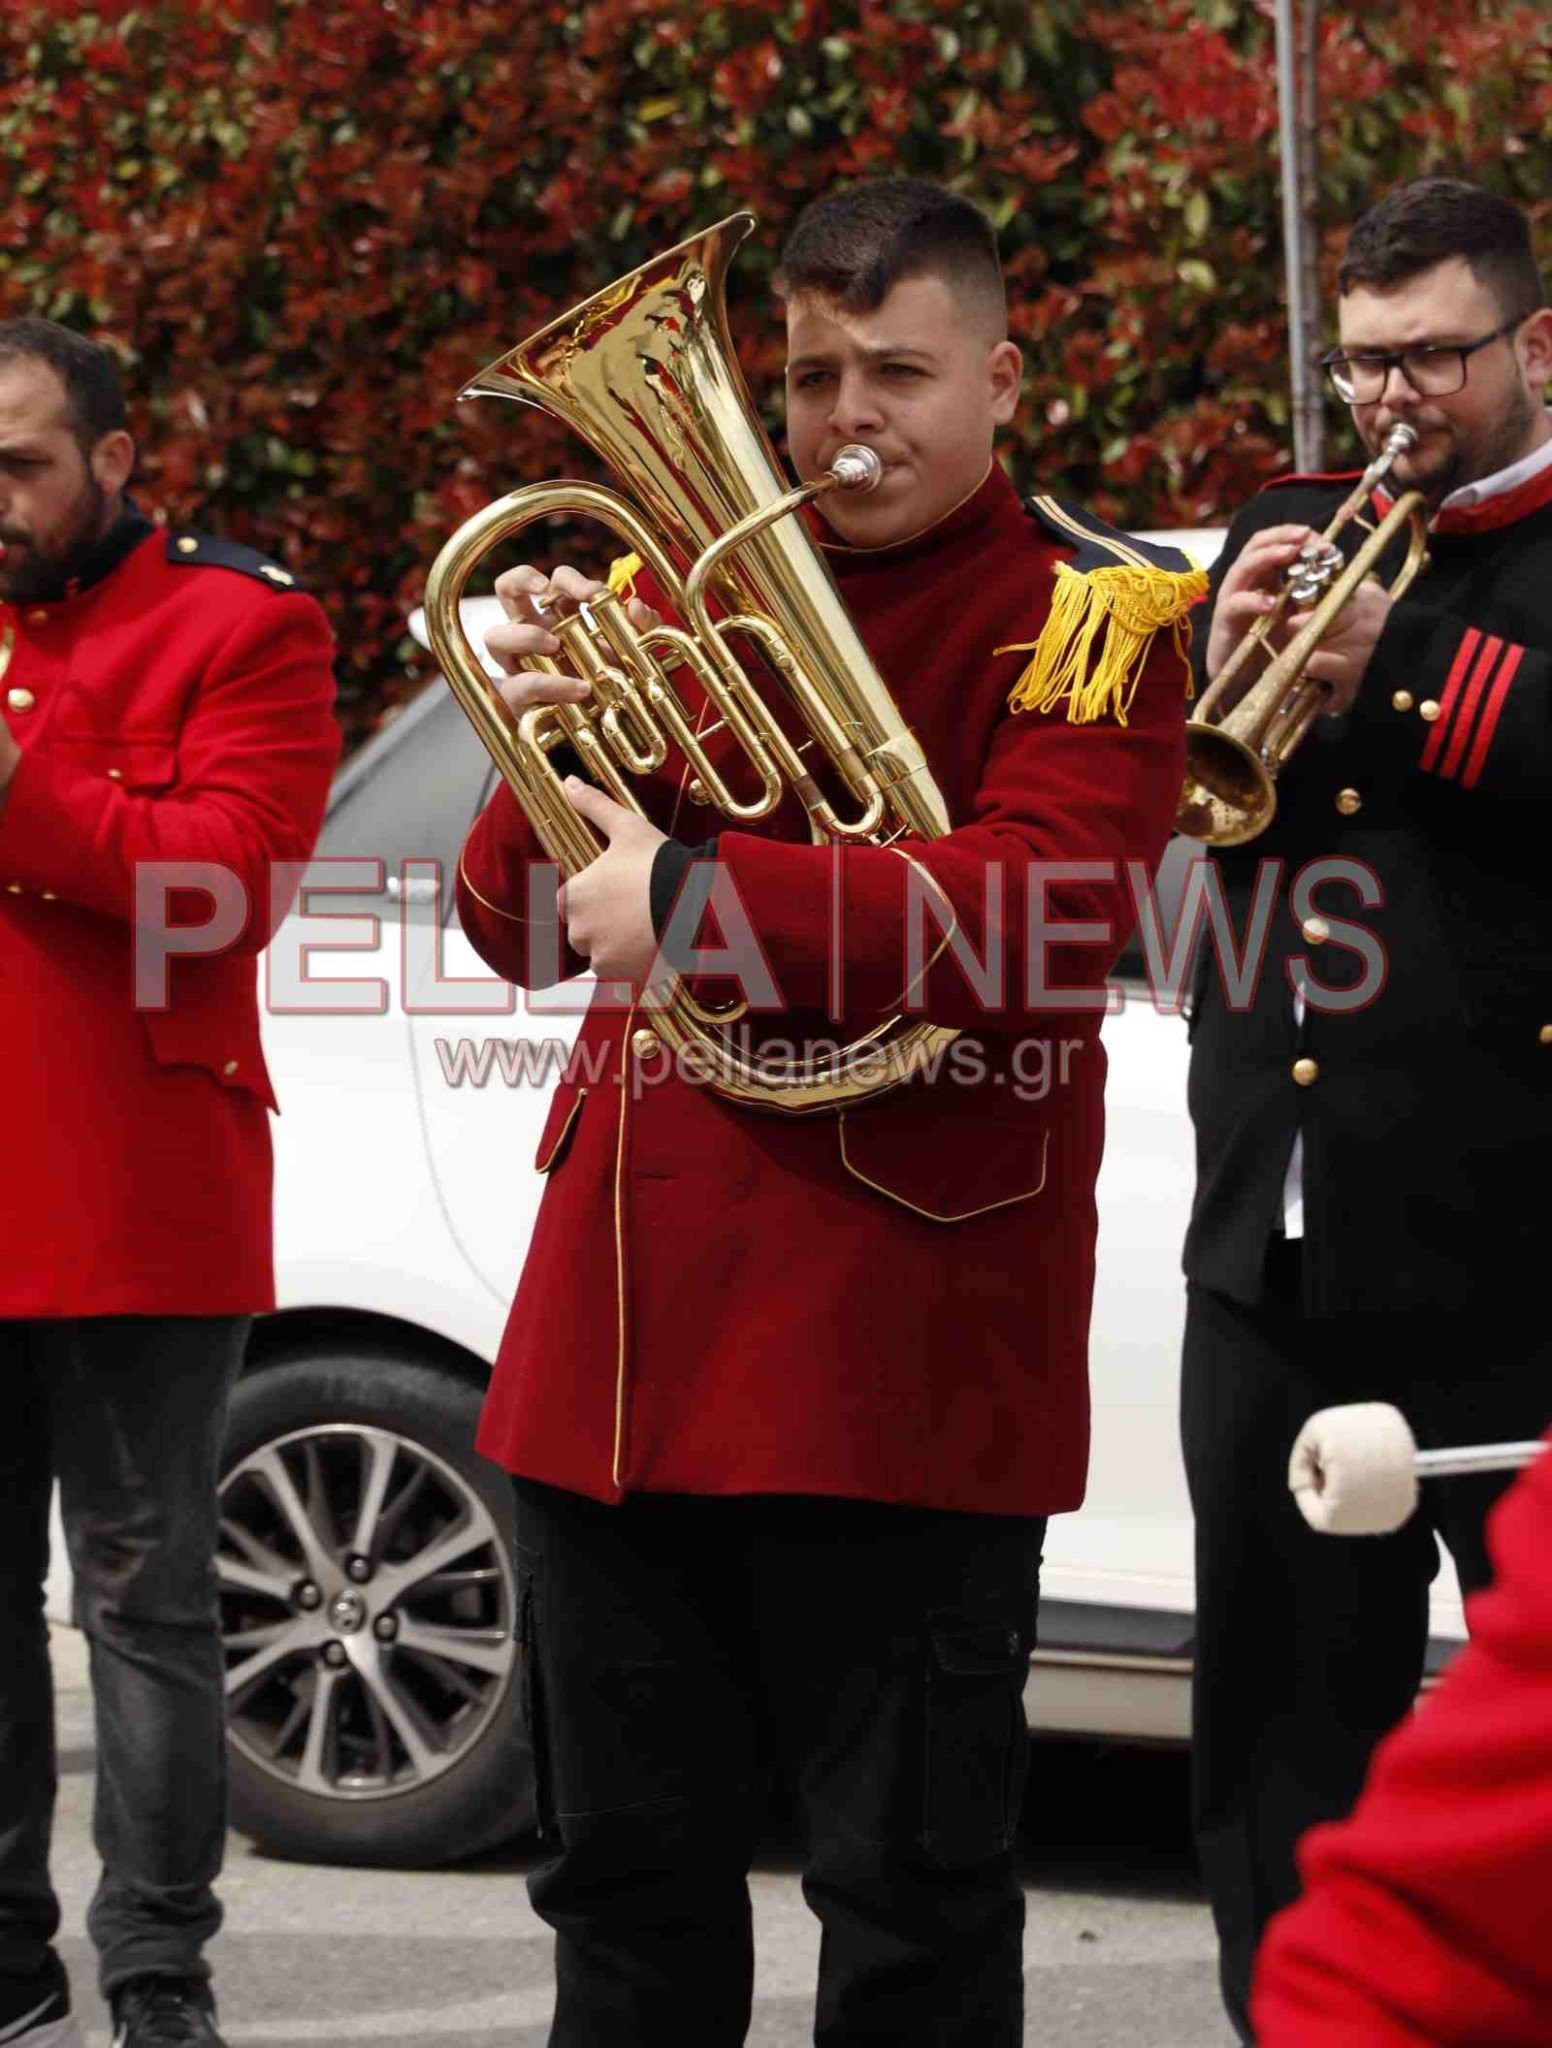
(507, 889)
(1426, 1920)
(1051, 794)
(256, 752)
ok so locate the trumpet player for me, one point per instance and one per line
(1371, 1112)
(788, 1399)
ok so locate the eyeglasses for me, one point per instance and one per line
(1434, 370)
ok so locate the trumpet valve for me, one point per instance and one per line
(1312, 575)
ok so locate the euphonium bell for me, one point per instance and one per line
(645, 372)
(1241, 735)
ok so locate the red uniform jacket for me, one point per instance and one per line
(1426, 1920)
(891, 1302)
(176, 710)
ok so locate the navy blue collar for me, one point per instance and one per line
(98, 558)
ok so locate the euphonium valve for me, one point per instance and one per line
(645, 372)
(1246, 727)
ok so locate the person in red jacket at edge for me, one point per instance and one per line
(1424, 1918)
(165, 719)
(788, 1398)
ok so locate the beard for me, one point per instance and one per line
(34, 570)
(1449, 462)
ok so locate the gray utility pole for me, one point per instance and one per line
(1298, 46)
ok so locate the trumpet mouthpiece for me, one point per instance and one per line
(1401, 440)
(856, 468)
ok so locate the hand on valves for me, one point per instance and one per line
(1251, 588)
(607, 907)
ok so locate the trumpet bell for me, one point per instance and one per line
(1229, 795)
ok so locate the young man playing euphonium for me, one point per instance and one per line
(789, 1399)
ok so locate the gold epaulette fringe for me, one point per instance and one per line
(623, 571)
(1093, 645)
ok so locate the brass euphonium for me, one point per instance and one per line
(1239, 739)
(645, 372)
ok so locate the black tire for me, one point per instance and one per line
(401, 1770)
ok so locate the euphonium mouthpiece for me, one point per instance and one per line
(856, 468)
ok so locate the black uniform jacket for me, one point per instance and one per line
(1425, 1107)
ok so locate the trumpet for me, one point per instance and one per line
(1243, 733)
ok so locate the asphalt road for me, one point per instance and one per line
(1118, 1945)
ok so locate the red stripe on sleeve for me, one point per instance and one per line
(1485, 730)
(1463, 654)
(1470, 697)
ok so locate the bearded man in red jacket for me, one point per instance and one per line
(788, 1399)
(166, 746)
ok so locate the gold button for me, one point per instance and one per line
(19, 700)
(115, 775)
(37, 617)
(276, 575)
(49, 896)
(14, 889)
(1545, 1034)
(1349, 802)
(1316, 931)
(188, 545)
(1305, 1072)
(229, 1068)
(644, 1044)
(1428, 709)
(1402, 700)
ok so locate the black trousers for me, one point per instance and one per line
(677, 1650)
(127, 1412)
(1310, 1648)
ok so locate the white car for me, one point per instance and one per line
(366, 1577)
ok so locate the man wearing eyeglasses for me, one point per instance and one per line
(1373, 1103)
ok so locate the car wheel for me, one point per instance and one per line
(367, 1616)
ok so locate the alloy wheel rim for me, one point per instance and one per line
(367, 1607)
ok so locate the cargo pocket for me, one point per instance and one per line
(975, 1737)
(531, 1687)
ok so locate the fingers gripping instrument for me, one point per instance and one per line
(1246, 727)
(645, 372)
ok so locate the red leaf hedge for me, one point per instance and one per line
(306, 225)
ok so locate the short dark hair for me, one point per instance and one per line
(94, 395)
(1432, 219)
(856, 244)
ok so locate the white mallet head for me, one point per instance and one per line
(1353, 1470)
